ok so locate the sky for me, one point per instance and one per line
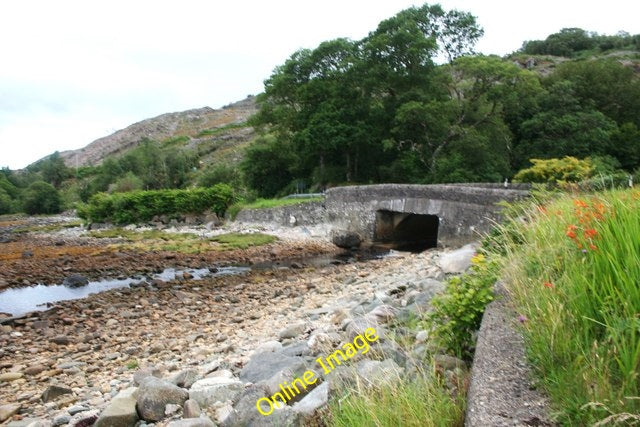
(74, 71)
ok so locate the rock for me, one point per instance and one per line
(446, 362)
(292, 331)
(422, 336)
(269, 346)
(263, 366)
(76, 409)
(457, 261)
(112, 322)
(61, 420)
(223, 412)
(61, 340)
(383, 313)
(10, 376)
(171, 409)
(154, 395)
(186, 378)
(315, 399)
(191, 409)
(359, 325)
(346, 239)
(121, 411)
(7, 411)
(374, 372)
(210, 390)
(75, 281)
(84, 419)
(143, 373)
(53, 392)
(245, 413)
(192, 422)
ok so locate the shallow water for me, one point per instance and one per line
(18, 301)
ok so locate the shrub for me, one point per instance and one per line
(41, 198)
(567, 169)
(136, 206)
(458, 311)
(6, 204)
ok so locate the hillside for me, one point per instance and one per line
(204, 128)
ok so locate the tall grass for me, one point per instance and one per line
(574, 270)
(419, 402)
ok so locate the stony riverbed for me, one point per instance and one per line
(226, 336)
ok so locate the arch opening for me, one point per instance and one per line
(406, 231)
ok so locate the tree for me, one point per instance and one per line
(267, 166)
(465, 124)
(41, 198)
(566, 169)
(53, 170)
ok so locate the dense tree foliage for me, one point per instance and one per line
(41, 198)
(573, 41)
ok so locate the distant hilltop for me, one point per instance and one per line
(197, 125)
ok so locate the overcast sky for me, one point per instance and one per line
(74, 71)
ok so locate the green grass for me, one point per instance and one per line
(574, 271)
(184, 242)
(421, 402)
(243, 241)
(234, 209)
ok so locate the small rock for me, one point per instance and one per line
(192, 422)
(457, 261)
(7, 411)
(61, 340)
(315, 399)
(75, 281)
(10, 376)
(292, 331)
(77, 409)
(186, 378)
(143, 373)
(155, 394)
(422, 336)
(53, 392)
(213, 389)
(191, 409)
(447, 362)
(61, 420)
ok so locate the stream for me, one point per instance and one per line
(18, 301)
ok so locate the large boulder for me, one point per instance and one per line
(346, 239)
(75, 281)
(121, 411)
(210, 390)
(315, 399)
(154, 395)
(265, 365)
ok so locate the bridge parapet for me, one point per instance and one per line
(463, 211)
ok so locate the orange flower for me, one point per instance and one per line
(571, 234)
(548, 285)
(579, 203)
(590, 233)
(593, 247)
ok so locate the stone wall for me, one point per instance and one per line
(309, 213)
(463, 210)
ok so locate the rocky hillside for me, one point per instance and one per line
(203, 128)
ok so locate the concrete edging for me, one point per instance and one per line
(501, 392)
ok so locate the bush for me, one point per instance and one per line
(6, 204)
(137, 206)
(41, 198)
(458, 311)
(567, 169)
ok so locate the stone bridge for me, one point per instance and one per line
(424, 215)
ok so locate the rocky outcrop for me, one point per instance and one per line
(186, 123)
